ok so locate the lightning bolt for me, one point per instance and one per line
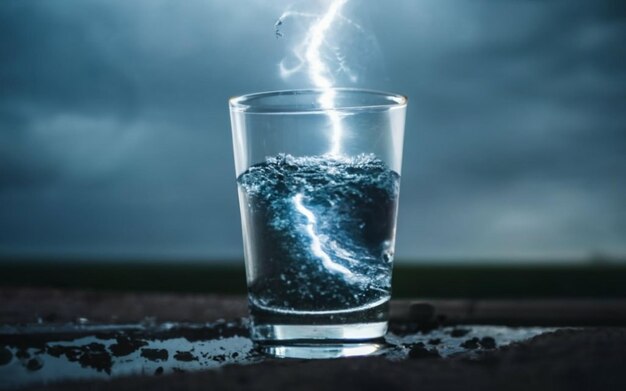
(316, 243)
(310, 56)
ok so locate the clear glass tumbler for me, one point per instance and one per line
(318, 174)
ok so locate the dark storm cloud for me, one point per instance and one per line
(515, 138)
(115, 138)
(51, 68)
(115, 134)
(46, 50)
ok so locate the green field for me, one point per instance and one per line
(446, 280)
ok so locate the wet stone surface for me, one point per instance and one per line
(37, 354)
(84, 340)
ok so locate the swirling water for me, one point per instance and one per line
(319, 233)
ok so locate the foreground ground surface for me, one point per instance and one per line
(124, 341)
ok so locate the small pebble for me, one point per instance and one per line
(5, 356)
(155, 354)
(419, 351)
(470, 343)
(34, 364)
(488, 343)
(184, 356)
(125, 346)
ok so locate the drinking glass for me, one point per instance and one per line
(318, 176)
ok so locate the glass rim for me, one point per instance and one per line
(246, 103)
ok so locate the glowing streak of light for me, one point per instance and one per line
(318, 71)
(316, 244)
(310, 56)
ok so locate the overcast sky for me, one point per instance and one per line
(115, 137)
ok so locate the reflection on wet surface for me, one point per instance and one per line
(38, 354)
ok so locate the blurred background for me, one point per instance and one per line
(115, 144)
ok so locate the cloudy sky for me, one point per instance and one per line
(115, 136)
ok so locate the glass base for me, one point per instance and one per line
(320, 335)
(333, 332)
(323, 350)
